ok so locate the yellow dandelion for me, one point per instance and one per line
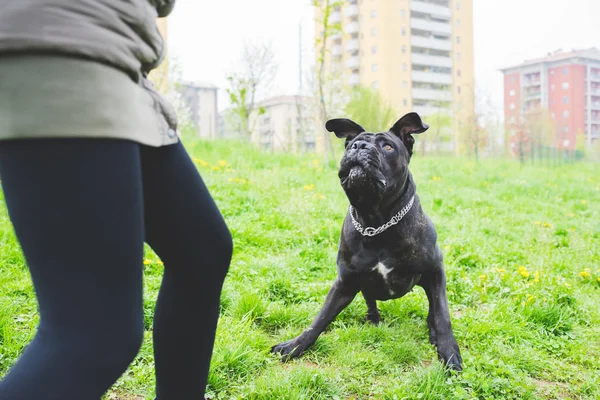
(447, 247)
(599, 279)
(160, 263)
(222, 163)
(147, 262)
(230, 180)
(316, 162)
(538, 223)
(547, 225)
(567, 284)
(309, 187)
(215, 168)
(449, 189)
(583, 201)
(571, 214)
(585, 274)
(573, 229)
(482, 277)
(523, 271)
(485, 184)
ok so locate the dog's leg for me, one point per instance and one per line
(430, 325)
(372, 311)
(339, 296)
(439, 318)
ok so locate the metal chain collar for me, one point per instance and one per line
(369, 231)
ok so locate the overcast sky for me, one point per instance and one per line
(206, 37)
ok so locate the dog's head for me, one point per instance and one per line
(375, 165)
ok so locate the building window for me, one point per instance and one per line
(373, 13)
(565, 129)
(403, 31)
(512, 93)
(552, 72)
(458, 22)
(512, 106)
(566, 114)
(458, 40)
(404, 84)
(375, 85)
(374, 68)
(457, 56)
(458, 89)
(373, 32)
(404, 67)
(512, 79)
(403, 12)
(553, 115)
(404, 49)
(374, 50)
(565, 85)
(566, 100)
(552, 87)
(404, 102)
(458, 5)
(552, 101)
(458, 72)
(565, 71)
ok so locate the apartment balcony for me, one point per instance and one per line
(352, 45)
(436, 44)
(431, 9)
(354, 79)
(353, 63)
(595, 77)
(532, 82)
(337, 36)
(431, 77)
(424, 111)
(351, 10)
(351, 27)
(593, 92)
(336, 50)
(529, 96)
(434, 61)
(335, 17)
(431, 26)
(595, 106)
(432, 94)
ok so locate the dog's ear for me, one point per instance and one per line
(406, 126)
(344, 128)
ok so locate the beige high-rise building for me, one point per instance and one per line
(417, 53)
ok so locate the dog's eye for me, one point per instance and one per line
(388, 147)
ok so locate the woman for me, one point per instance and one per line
(91, 168)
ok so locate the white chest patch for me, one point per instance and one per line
(383, 270)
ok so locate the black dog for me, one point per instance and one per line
(388, 245)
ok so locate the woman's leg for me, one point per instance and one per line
(76, 206)
(187, 231)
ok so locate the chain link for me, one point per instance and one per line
(369, 231)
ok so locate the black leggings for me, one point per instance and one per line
(82, 209)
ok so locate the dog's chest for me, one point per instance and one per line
(384, 278)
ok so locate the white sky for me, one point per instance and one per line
(206, 37)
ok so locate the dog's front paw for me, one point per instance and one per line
(450, 356)
(291, 349)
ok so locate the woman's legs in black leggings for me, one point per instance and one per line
(186, 230)
(78, 207)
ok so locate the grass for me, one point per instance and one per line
(522, 251)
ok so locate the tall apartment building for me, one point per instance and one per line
(201, 100)
(417, 53)
(567, 84)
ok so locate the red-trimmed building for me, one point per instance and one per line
(567, 84)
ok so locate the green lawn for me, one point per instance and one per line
(522, 251)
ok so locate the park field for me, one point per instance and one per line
(522, 253)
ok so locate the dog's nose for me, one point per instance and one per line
(361, 145)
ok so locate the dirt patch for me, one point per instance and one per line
(558, 389)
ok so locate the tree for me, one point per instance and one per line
(324, 9)
(367, 107)
(258, 72)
